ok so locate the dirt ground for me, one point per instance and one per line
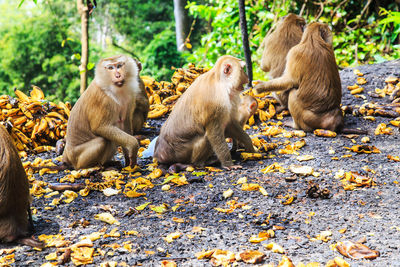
(366, 212)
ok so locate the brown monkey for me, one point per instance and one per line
(142, 105)
(196, 127)
(101, 119)
(247, 108)
(311, 67)
(14, 195)
(277, 44)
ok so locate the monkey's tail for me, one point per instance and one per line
(61, 167)
(353, 131)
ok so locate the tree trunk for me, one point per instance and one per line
(181, 23)
(245, 39)
(84, 13)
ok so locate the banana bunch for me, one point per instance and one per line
(34, 123)
(163, 95)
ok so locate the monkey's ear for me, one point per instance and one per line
(253, 106)
(228, 69)
(139, 66)
(326, 34)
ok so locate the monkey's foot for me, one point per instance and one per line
(233, 167)
(290, 124)
(140, 137)
(30, 241)
(177, 167)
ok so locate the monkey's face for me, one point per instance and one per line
(117, 72)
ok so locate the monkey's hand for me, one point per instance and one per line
(233, 167)
(260, 87)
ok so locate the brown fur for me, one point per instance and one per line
(142, 108)
(101, 119)
(247, 108)
(195, 129)
(14, 195)
(277, 44)
(311, 67)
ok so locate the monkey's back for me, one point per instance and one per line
(277, 45)
(187, 121)
(319, 88)
(14, 190)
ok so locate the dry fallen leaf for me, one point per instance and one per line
(301, 170)
(324, 133)
(285, 262)
(252, 256)
(166, 263)
(356, 251)
(364, 149)
(170, 238)
(107, 217)
(274, 247)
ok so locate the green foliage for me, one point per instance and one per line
(32, 53)
(360, 36)
(161, 55)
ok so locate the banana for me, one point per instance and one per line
(36, 93)
(21, 95)
(41, 149)
(21, 136)
(34, 131)
(42, 126)
(64, 107)
(19, 120)
(56, 115)
(29, 124)
(10, 112)
(25, 111)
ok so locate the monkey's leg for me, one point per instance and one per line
(283, 100)
(201, 152)
(240, 136)
(177, 167)
(91, 153)
(31, 227)
(121, 138)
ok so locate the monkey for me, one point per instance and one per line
(288, 33)
(247, 108)
(311, 68)
(101, 119)
(142, 105)
(15, 214)
(197, 125)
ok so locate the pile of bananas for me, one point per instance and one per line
(33, 122)
(162, 95)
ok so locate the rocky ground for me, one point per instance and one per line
(369, 213)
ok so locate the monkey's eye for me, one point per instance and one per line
(110, 67)
(119, 66)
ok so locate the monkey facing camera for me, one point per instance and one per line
(103, 117)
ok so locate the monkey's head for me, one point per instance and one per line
(117, 70)
(318, 30)
(230, 71)
(249, 104)
(291, 20)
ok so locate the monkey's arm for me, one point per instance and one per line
(235, 131)
(279, 84)
(121, 138)
(216, 137)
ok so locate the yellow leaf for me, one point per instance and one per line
(106, 217)
(169, 238)
(143, 206)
